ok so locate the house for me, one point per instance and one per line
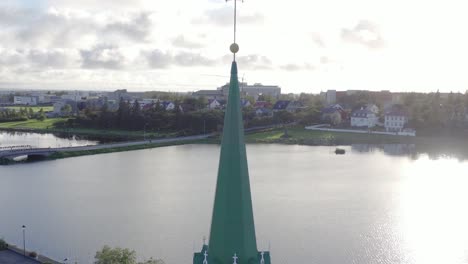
(147, 103)
(245, 103)
(263, 112)
(167, 105)
(364, 118)
(25, 100)
(333, 115)
(280, 105)
(262, 104)
(336, 106)
(373, 108)
(294, 106)
(395, 121)
(214, 104)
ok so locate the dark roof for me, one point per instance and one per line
(396, 112)
(281, 105)
(329, 110)
(262, 104)
(361, 113)
(295, 104)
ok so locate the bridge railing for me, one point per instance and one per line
(21, 147)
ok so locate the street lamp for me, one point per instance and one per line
(24, 239)
(144, 131)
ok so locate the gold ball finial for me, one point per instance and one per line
(234, 48)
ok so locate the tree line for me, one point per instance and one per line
(22, 114)
(130, 116)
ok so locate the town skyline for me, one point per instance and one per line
(158, 45)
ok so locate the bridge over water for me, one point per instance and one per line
(37, 153)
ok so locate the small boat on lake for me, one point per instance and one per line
(340, 151)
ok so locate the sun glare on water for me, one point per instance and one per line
(433, 210)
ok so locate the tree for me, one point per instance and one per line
(108, 255)
(30, 113)
(115, 255)
(40, 115)
(66, 109)
(123, 114)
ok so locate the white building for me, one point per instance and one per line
(330, 97)
(254, 90)
(168, 106)
(26, 100)
(395, 121)
(364, 118)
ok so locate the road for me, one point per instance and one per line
(46, 151)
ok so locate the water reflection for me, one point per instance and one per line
(434, 150)
(46, 140)
(388, 149)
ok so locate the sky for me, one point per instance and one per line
(302, 46)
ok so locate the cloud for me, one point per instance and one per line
(181, 42)
(251, 61)
(37, 58)
(66, 27)
(138, 27)
(103, 57)
(157, 59)
(325, 60)
(317, 39)
(364, 33)
(296, 67)
(224, 17)
(192, 59)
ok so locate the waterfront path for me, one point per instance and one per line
(15, 152)
(11, 257)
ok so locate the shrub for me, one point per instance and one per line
(33, 254)
(3, 245)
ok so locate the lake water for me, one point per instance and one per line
(8, 139)
(311, 206)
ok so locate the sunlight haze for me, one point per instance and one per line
(302, 46)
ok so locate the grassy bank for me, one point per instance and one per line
(52, 126)
(299, 135)
(34, 108)
(32, 124)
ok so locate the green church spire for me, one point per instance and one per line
(232, 226)
(232, 235)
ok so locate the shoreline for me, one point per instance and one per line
(297, 136)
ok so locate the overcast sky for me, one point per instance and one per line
(303, 46)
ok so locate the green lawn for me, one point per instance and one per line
(48, 125)
(34, 108)
(299, 135)
(32, 124)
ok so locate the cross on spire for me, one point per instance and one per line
(235, 258)
(205, 261)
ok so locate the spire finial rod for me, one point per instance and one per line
(234, 46)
